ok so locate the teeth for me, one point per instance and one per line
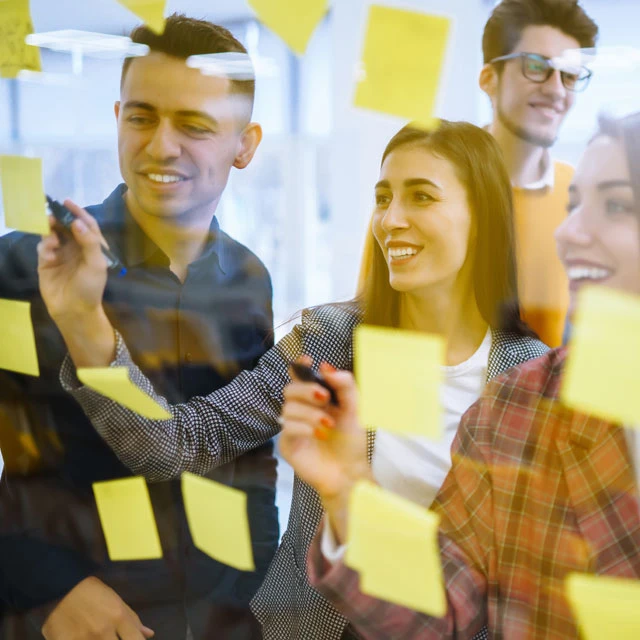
(161, 177)
(587, 273)
(399, 252)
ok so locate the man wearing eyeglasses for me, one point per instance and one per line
(532, 86)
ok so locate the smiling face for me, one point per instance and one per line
(179, 134)
(599, 242)
(531, 111)
(421, 221)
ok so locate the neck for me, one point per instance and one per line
(182, 238)
(455, 317)
(525, 161)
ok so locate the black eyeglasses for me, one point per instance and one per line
(539, 69)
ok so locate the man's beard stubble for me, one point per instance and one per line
(522, 133)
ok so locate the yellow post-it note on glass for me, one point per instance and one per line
(218, 521)
(17, 340)
(22, 194)
(127, 519)
(393, 544)
(603, 366)
(402, 60)
(604, 607)
(15, 26)
(294, 21)
(114, 383)
(399, 376)
(151, 12)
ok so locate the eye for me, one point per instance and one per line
(139, 120)
(195, 129)
(613, 207)
(382, 200)
(422, 196)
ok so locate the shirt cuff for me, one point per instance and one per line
(329, 548)
(68, 378)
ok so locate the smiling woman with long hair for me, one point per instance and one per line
(442, 261)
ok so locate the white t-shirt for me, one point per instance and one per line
(415, 467)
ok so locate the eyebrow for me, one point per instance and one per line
(411, 182)
(185, 113)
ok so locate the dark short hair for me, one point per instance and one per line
(511, 17)
(184, 37)
(480, 166)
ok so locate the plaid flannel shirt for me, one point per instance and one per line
(536, 491)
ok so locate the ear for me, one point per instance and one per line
(249, 140)
(116, 109)
(488, 80)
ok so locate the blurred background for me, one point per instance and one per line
(303, 204)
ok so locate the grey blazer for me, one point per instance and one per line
(209, 431)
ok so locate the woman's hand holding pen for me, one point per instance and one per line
(326, 444)
(72, 273)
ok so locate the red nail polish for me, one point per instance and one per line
(321, 396)
(328, 423)
(319, 433)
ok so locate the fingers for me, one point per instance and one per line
(131, 628)
(344, 385)
(86, 219)
(300, 412)
(308, 392)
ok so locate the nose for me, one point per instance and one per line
(553, 87)
(164, 144)
(394, 218)
(576, 231)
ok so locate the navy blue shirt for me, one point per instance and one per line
(189, 338)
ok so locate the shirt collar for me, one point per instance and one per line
(135, 248)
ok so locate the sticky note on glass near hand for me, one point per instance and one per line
(393, 544)
(150, 11)
(15, 26)
(399, 378)
(127, 519)
(17, 340)
(604, 607)
(218, 521)
(23, 194)
(294, 21)
(114, 383)
(603, 363)
(402, 63)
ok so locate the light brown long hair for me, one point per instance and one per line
(480, 167)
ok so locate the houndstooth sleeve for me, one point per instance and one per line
(211, 430)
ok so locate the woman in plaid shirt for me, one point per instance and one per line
(536, 490)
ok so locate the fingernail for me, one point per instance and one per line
(321, 396)
(327, 422)
(321, 434)
(328, 367)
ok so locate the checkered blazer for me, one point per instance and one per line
(536, 491)
(212, 430)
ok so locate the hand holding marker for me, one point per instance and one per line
(66, 218)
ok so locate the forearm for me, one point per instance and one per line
(90, 339)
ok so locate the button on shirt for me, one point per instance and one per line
(189, 338)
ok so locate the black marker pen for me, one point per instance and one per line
(66, 218)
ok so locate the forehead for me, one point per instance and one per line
(415, 161)
(545, 41)
(604, 160)
(168, 83)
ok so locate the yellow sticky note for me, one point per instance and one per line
(17, 340)
(218, 521)
(603, 366)
(294, 21)
(399, 376)
(15, 26)
(22, 194)
(150, 11)
(127, 519)
(393, 544)
(401, 65)
(114, 383)
(604, 607)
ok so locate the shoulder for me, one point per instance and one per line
(511, 349)
(337, 316)
(240, 260)
(512, 403)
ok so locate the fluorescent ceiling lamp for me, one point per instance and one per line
(45, 77)
(233, 65)
(602, 58)
(88, 43)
